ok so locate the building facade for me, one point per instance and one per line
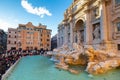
(31, 37)
(54, 42)
(92, 22)
(12, 39)
(3, 41)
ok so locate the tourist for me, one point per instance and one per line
(10, 57)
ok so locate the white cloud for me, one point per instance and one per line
(5, 25)
(40, 11)
(16, 20)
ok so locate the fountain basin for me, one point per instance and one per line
(41, 68)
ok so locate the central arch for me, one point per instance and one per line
(79, 32)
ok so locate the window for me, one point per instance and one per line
(9, 36)
(118, 26)
(41, 44)
(118, 46)
(15, 42)
(47, 44)
(48, 40)
(8, 42)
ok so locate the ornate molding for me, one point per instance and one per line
(116, 35)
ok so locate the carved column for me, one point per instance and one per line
(66, 37)
(88, 28)
(71, 33)
(104, 24)
(107, 44)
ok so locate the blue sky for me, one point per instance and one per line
(47, 12)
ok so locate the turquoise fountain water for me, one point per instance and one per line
(41, 68)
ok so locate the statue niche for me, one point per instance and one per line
(79, 32)
(96, 31)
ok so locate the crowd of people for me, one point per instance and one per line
(10, 57)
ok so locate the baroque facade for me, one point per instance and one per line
(91, 22)
(29, 37)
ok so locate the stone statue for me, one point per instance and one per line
(96, 32)
(75, 37)
(82, 36)
(79, 37)
(90, 53)
(96, 12)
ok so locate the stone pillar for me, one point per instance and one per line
(71, 33)
(66, 37)
(104, 31)
(109, 45)
(88, 28)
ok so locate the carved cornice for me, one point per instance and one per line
(105, 1)
(89, 6)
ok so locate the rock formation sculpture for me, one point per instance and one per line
(100, 61)
(97, 61)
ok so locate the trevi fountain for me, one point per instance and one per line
(96, 61)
